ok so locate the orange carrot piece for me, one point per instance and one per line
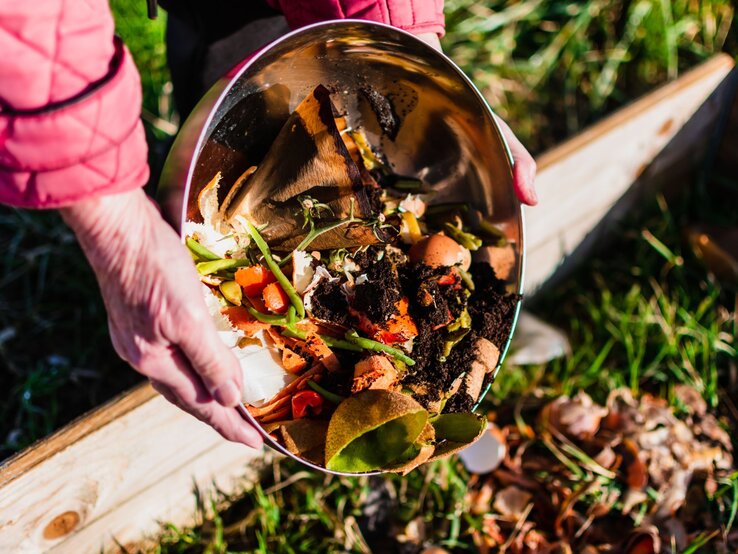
(320, 350)
(278, 415)
(254, 278)
(292, 361)
(241, 319)
(298, 384)
(267, 408)
(275, 299)
(398, 328)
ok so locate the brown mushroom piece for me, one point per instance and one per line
(487, 356)
(374, 372)
(308, 157)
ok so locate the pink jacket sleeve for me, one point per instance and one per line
(70, 101)
(415, 16)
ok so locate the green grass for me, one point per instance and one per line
(644, 325)
(145, 40)
(551, 68)
(55, 355)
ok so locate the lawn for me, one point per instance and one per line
(644, 314)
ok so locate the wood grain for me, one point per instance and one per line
(127, 468)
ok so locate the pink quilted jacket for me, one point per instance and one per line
(70, 96)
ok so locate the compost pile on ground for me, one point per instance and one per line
(632, 476)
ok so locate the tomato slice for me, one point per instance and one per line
(306, 402)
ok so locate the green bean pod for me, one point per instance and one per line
(277, 271)
(328, 395)
(267, 318)
(332, 342)
(199, 250)
(214, 266)
(376, 346)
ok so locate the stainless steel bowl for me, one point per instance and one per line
(448, 134)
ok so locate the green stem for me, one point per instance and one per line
(266, 318)
(330, 341)
(328, 395)
(206, 268)
(314, 234)
(200, 250)
(376, 346)
(467, 240)
(466, 277)
(277, 271)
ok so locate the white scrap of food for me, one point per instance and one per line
(487, 356)
(210, 238)
(414, 204)
(263, 374)
(207, 202)
(439, 250)
(302, 270)
(227, 333)
(487, 453)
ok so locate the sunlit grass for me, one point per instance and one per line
(552, 68)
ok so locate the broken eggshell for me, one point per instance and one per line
(487, 453)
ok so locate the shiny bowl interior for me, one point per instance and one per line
(447, 134)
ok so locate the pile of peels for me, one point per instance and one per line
(632, 476)
(365, 333)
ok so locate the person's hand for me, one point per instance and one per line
(524, 166)
(156, 312)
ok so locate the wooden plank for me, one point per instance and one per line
(110, 477)
(587, 183)
(76, 430)
(123, 475)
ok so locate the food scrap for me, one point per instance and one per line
(365, 331)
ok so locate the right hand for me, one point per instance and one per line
(157, 317)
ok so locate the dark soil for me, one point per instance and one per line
(459, 403)
(377, 297)
(383, 110)
(491, 308)
(329, 303)
(430, 303)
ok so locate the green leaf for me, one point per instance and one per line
(373, 430)
(455, 432)
(459, 427)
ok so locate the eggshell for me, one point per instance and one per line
(439, 250)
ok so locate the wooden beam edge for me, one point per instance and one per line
(557, 153)
(73, 431)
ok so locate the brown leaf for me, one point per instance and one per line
(636, 475)
(644, 541)
(691, 398)
(480, 500)
(577, 417)
(512, 501)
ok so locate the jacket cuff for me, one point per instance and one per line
(88, 145)
(415, 16)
